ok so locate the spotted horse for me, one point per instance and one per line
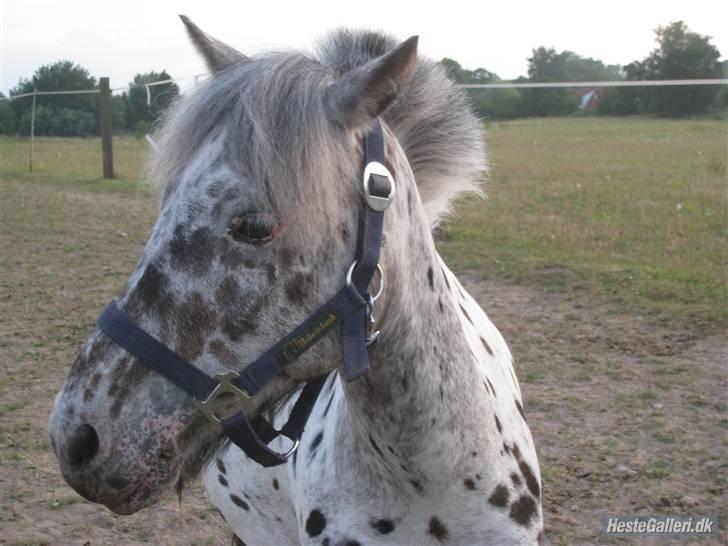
(261, 204)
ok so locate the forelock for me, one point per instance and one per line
(270, 112)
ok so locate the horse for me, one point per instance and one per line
(260, 219)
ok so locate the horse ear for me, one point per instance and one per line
(217, 55)
(366, 91)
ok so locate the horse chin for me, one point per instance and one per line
(147, 492)
(127, 508)
(134, 504)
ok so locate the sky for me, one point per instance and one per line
(120, 39)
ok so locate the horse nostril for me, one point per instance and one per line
(82, 446)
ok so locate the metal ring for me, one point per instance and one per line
(380, 288)
(293, 448)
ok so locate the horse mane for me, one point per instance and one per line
(431, 118)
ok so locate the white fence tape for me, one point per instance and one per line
(620, 83)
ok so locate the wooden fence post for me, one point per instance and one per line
(107, 157)
(32, 133)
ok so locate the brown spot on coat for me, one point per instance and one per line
(239, 502)
(469, 484)
(127, 384)
(271, 272)
(224, 354)
(444, 276)
(228, 292)
(499, 497)
(288, 255)
(237, 322)
(430, 278)
(498, 423)
(492, 388)
(437, 529)
(234, 258)
(465, 313)
(383, 526)
(193, 254)
(90, 391)
(151, 294)
(315, 523)
(300, 288)
(487, 347)
(195, 321)
(530, 478)
(95, 380)
(523, 510)
(519, 407)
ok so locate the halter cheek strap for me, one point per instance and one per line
(350, 309)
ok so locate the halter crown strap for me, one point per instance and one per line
(350, 307)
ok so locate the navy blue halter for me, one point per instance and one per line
(350, 308)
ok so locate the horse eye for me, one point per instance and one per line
(255, 228)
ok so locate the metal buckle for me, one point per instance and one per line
(372, 334)
(225, 384)
(376, 202)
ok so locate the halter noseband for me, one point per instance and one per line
(351, 307)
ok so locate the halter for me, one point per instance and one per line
(350, 307)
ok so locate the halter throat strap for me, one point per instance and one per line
(349, 309)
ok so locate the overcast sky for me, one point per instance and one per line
(121, 38)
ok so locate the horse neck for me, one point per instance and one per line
(418, 399)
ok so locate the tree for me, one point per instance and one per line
(7, 117)
(161, 97)
(545, 65)
(462, 75)
(680, 54)
(498, 103)
(58, 76)
(52, 121)
(488, 103)
(73, 109)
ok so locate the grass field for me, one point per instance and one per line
(74, 159)
(633, 211)
(600, 254)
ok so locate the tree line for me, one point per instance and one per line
(78, 115)
(680, 54)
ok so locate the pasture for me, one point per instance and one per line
(600, 253)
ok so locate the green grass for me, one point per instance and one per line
(629, 210)
(73, 159)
